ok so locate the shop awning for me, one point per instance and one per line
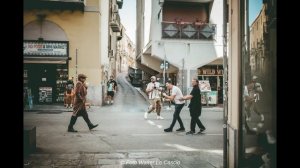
(46, 60)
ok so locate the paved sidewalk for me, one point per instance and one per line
(168, 159)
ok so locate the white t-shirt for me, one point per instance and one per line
(155, 93)
(178, 95)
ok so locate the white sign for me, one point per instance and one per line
(45, 48)
(204, 86)
(211, 97)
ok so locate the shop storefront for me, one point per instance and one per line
(213, 74)
(45, 70)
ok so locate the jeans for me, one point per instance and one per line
(176, 116)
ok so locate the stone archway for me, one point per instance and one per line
(45, 29)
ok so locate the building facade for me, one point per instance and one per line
(65, 38)
(257, 45)
(186, 35)
(126, 53)
(61, 40)
(111, 32)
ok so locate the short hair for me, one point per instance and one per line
(169, 81)
(197, 81)
(82, 76)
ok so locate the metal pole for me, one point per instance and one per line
(182, 74)
(76, 66)
(164, 73)
(225, 103)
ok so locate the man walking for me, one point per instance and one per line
(251, 97)
(153, 89)
(195, 107)
(111, 89)
(176, 96)
(79, 105)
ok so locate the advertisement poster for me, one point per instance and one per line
(45, 94)
(204, 86)
(212, 97)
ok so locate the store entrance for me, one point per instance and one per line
(42, 82)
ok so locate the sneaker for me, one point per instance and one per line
(146, 115)
(168, 130)
(262, 118)
(201, 131)
(159, 118)
(190, 133)
(180, 129)
(112, 102)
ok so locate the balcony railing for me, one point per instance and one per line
(115, 23)
(188, 30)
(55, 4)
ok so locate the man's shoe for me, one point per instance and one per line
(201, 131)
(146, 115)
(190, 133)
(181, 129)
(262, 118)
(93, 126)
(72, 130)
(168, 130)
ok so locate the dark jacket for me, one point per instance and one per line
(195, 104)
(80, 98)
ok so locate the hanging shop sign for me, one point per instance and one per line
(210, 70)
(45, 48)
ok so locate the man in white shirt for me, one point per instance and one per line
(251, 97)
(154, 90)
(176, 96)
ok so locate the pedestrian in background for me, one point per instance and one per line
(154, 91)
(195, 107)
(69, 93)
(176, 96)
(251, 97)
(111, 89)
(79, 105)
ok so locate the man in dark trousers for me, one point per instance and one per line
(79, 105)
(195, 107)
(176, 96)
